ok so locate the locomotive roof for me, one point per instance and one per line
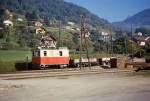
(60, 48)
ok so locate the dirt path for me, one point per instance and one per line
(98, 87)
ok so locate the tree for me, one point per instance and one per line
(144, 31)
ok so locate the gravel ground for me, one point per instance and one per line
(98, 87)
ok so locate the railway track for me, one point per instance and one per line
(58, 72)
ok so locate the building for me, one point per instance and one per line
(141, 40)
(38, 24)
(47, 42)
(71, 23)
(40, 31)
(20, 19)
(8, 23)
(1, 32)
(147, 40)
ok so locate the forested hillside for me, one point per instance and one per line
(22, 34)
(51, 10)
(138, 20)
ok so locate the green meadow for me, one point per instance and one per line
(8, 59)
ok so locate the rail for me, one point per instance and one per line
(47, 73)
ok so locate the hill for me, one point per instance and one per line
(138, 20)
(52, 10)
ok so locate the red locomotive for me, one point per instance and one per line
(50, 57)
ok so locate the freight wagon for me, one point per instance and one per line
(84, 62)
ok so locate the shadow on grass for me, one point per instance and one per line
(8, 67)
(21, 66)
(145, 73)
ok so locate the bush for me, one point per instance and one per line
(6, 67)
(21, 66)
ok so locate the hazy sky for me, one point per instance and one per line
(113, 10)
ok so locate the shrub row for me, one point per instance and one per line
(7, 67)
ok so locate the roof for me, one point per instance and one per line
(147, 38)
(65, 48)
(48, 38)
(139, 38)
(8, 23)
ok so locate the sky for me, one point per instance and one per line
(113, 10)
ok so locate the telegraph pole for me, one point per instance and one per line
(99, 41)
(125, 43)
(83, 36)
(59, 36)
(81, 39)
(111, 43)
(87, 52)
(107, 46)
(132, 42)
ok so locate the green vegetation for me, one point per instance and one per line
(143, 73)
(66, 37)
(7, 67)
(129, 48)
(22, 33)
(51, 10)
(14, 55)
(8, 58)
(143, 30)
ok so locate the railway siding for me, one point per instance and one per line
(55, 73)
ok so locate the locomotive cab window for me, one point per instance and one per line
(36, 53)
(45, 53)
(33, 53)
(60, 53)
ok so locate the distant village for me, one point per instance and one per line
(51, 41)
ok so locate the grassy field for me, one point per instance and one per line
(8, 59)
(145, 73)
(14, 55)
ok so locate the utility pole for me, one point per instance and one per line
(59, 36)
(87, 52)
(105, 38)
(111, 43)
(125, 44)
(99, 41)
(107, 45)
(132, 42)
(81, 39)
(84, 37)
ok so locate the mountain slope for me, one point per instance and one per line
(52, 9)
(141, 19)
